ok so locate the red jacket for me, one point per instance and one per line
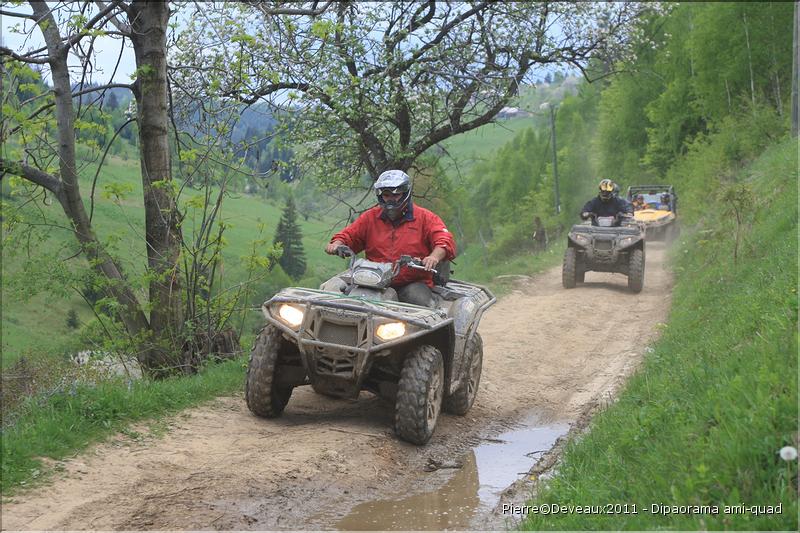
(417, 234)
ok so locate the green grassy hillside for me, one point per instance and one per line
(464, 151)
(35, 322)
(702, 422)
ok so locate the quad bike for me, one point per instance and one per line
(609, 244)
(353, 334)
(660, 218)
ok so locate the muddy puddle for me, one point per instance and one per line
(470, 489)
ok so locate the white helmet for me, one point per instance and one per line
(394, 182)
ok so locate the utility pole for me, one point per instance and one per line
(795, 69)
(552, 109)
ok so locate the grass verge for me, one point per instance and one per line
(473, 266)
(703, 420)
(69, 420)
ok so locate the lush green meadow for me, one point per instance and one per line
(32, 281)
(703, 420)
(466, 150)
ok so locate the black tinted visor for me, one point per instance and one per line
(402, 189)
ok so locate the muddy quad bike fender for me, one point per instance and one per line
(465, 303)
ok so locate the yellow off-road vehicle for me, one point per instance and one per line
(655, 208)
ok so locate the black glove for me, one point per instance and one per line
(344, 251)
(586, 214)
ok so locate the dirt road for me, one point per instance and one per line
(548, 351)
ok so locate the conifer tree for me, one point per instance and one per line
(72, 319)
(288, 233)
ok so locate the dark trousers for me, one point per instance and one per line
(417, 293)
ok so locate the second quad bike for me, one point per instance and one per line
(658, 212)
(607, 244)
(353, 334)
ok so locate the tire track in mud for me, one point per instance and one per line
(548, 352)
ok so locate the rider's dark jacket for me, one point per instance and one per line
(607, 209)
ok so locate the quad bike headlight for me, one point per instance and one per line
(627, 241)
(390, 330)
(366, 278)
(582, 239)
(292, 315)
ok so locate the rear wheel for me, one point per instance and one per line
(568, 272)
(264, 397)
(636, 270)
(419, 395)
(463, 397)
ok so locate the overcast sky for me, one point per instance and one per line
(106, 48)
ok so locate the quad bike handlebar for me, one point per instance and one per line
(589, 214)
(413, 262)
(345, 251)
(618, 218)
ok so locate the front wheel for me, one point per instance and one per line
(463, 397)
(265, 398)
(419, 395)
(568, 269)
(636, 270)
(580, 270)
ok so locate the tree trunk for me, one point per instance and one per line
(131, 314)
(775, 66)
(728, 93)
(749, 62)
(162, 231)
(795, 69)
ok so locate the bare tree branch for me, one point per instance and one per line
(32, 174)
(25, 58)
(123, 28)
(93, 22)
(4, 13)
(268, 8)
(88, 90)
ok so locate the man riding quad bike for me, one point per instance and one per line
(355, 333)
(613, 242)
